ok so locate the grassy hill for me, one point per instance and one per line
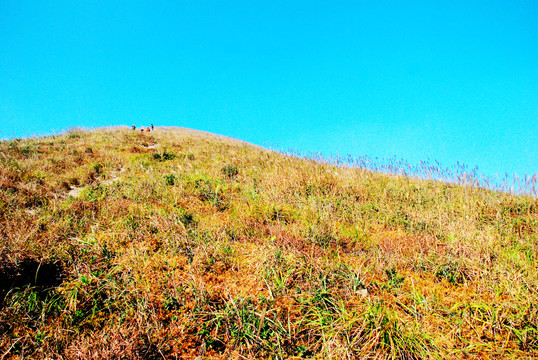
(178, 244)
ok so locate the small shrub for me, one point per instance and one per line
(394, 279)
(321, 235)
(170, 179)
(164, 156)
(280, 214)
(26, 150)
(97, 168)
(452, 272)
(187, 219)
(73, 181)
(230, 171)
(210, 193)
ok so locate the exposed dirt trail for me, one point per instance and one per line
(76, 191)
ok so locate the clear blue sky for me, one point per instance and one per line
(451, 81)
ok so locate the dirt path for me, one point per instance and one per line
(76, 191)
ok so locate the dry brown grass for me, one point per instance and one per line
(178, 244)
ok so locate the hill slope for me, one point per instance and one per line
(178, 243)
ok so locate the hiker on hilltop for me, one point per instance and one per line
(134, 127)
(151, 127)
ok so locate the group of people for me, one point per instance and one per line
(147, 128)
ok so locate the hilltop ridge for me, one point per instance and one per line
(182, 244)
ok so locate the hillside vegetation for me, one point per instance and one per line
(181, 244)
